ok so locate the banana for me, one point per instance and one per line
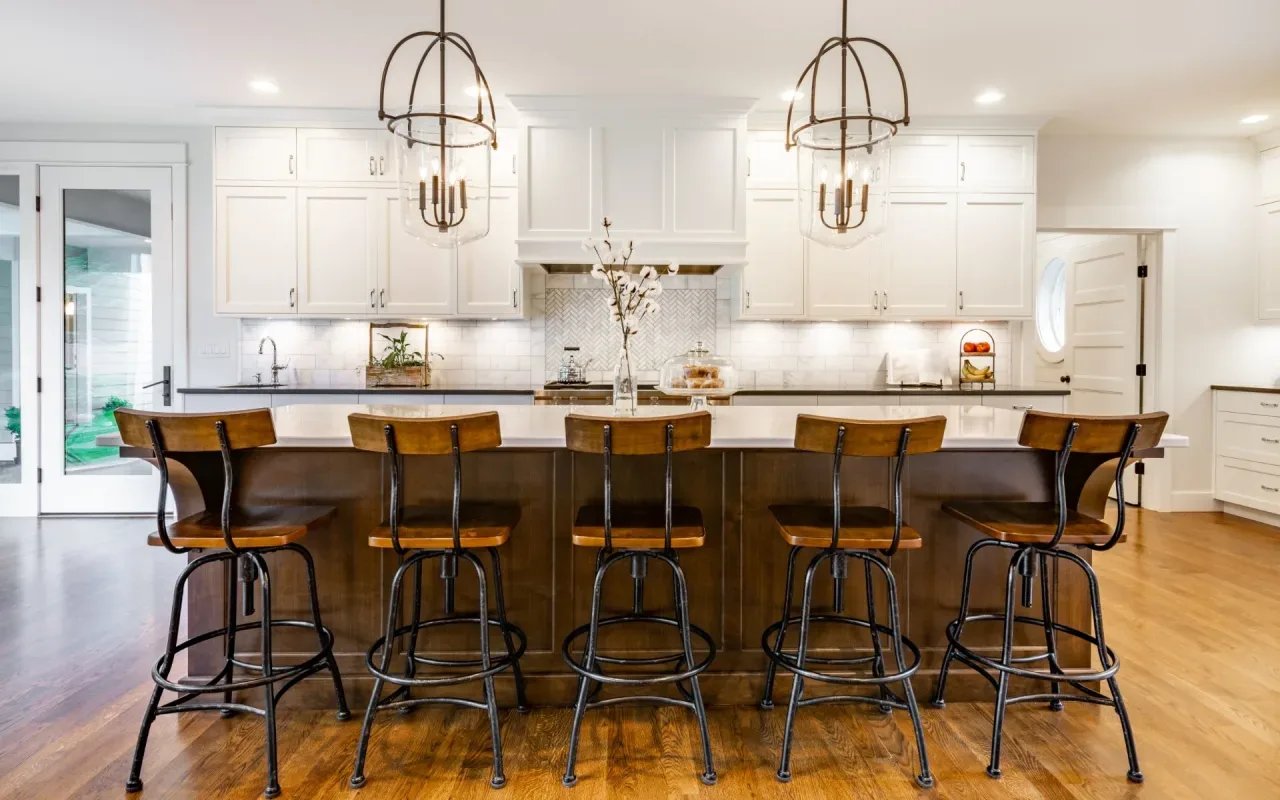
(971, 373)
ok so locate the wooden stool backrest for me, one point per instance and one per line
(869, 438)
(197, 433)
(165, 432)
(1044, 430)
(426, 436)
(638, 436)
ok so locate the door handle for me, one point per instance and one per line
(166, 394)
(373, 167)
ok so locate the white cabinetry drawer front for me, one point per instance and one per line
(1250, 403)
(1024, 402)
(1248, 437)
(1248, 484)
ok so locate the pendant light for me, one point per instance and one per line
(442, 152)
(843, 147)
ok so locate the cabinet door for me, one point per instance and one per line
(326, 154)
(415, 278)
(773, 279)
(256, 250)
(488, 276)
(996, 249)
(997, 163)
(919, 279)
(255, 154)
(841, 284)
(923, 162)
(1269, 164)
(337, 250)
(504, 166)
(769, 165)
(1269, 261)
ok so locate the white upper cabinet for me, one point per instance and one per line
(997, 163)
(415, 279)
(256, 247)
(634, 174)
(1269, 261)
(842, 284)
(705, 180)
(923, 162)
(557, 181)
(1269, 169)
(995, 253)
(338, 232)
(769, 164)
(344, 156)
(488, 276)
(255, 154)
(919, 280)
(504, 170)
(772, 282)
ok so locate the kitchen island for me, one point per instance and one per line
(735, 581)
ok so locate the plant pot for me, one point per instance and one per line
(397, 376)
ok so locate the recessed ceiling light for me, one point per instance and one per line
(989, 97)
(473, 91)
(791, 94)
(264, 86)
(1254, 119)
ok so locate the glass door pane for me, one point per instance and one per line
(10, 337)
(18, 399)
(106, 246)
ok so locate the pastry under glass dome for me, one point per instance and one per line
(698, 375)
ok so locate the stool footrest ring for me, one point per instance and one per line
(575, 663)
(984, 664)
(291, 673)
(497, 663)
(788, 661)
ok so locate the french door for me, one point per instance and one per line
(106, 329)
(19, 237)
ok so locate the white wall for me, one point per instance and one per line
(1205, 191)
(203, 327)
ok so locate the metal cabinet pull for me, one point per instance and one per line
(290, 165)
(962, 299)
(513, 298)
(884, 300)
(373, 167)
(382, 165)
(372, 304)
(748, 298)
(382, 297)
(1270, 441)
(513, 165)
(748, 166)
(1268, 488)
(1265, 404)
(962, 171)
(292, 294)
(1023, 408)
(875, 300)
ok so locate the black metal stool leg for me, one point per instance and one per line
(344, 713)
(797, 687)
(877, 666)
(708, 775)
(941, 686)
(268, 690)
(233, 617)
(522, 702)
(771, 669)
(1006, 658)
(1050, 633)
(410, 665)
(393, 610)
(497, 778)
(925, 777)
(588, 662)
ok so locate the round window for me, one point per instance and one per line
(1051, 307)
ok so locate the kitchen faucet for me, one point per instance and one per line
(275, 368)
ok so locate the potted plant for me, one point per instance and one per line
(399, 364)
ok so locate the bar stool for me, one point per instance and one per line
(451, 534)
(840, 533)
(1034, 533)
(637, 534)
(237, 537)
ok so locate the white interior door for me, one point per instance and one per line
(1102, 326)
(107, 329)
(19, 234)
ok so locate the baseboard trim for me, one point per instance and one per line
(1194, 501)
(1265, 517)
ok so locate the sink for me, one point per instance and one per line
(252, 386)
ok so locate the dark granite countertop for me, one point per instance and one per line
(286, 389)
(898, 391)
(871, 391)
(1259, 389)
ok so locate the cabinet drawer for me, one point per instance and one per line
(1254, 485)
(1248, 437)
(1249, 403)
(1024, 402)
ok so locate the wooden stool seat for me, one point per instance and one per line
(861, 527)
(1030, 523)
(253, 527)
(639, 527)
(481, 525)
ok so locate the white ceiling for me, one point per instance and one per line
(1177, 67)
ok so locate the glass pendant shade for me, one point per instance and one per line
(843, 180)
(443, 173)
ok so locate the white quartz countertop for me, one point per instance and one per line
(968, 427)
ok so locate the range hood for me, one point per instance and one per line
(669, 173)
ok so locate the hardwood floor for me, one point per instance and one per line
(1192, 608)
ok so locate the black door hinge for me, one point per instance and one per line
(1140, 468)
(37, 294)
(39, 474)
(39, 384)
(1142, 370)
(1142, 270)
(37, 204)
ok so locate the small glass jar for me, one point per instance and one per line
(698, 375)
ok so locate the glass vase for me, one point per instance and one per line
(624, 385)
